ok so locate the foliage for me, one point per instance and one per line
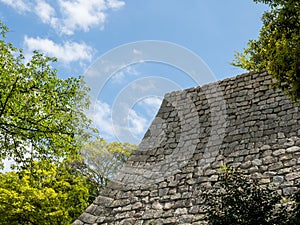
(43, 128)
(101, 160)
(41, 115)
(296, 210)
(45, 194)
(238, 200)
(277, 48)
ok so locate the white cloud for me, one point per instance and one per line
(19, 5)
(7, 165)
(45, 12)
(151, 105)
(8, 162)
(137, 123)
(151, 84)
(153, 101)
(66, 52)
(118, 77)
(115, 4)
(81, 14)
(68, 16)
(101, 116)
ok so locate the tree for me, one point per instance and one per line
(43, 128)
(41, 115)
(239, 200)
(44, 194)
(277, 48)
(57, 193)
(101, 161)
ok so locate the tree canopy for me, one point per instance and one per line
(43, 128)
(277, 49)
(41, 115)
(101, 160)
(46, 193)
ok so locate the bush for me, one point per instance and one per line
(236, 199)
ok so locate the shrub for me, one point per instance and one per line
(237, 199)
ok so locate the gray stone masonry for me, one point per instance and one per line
(240, 121)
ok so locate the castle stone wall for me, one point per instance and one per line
(240, 121)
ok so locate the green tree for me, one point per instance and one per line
(43, 128)
(101, 160)
(239, 200)
(45, 194)
(277, 49)
(41, 115)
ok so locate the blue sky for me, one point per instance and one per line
(79, 32)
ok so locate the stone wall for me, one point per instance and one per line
(239, 121)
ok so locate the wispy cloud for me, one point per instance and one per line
(146, 85)
(66, 52)
(137, 123)
(68, 16)
(120, 76)
(115, 4)
(101, 115)
(151, 105)
(45, 12)
(19, 5)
